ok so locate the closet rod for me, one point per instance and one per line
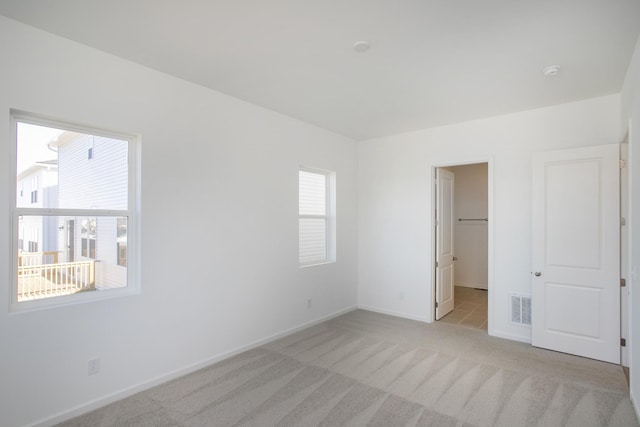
(473, 219)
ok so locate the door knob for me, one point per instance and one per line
(455, 258)
(537, 274)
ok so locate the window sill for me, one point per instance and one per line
(315, 264)
(67, 300)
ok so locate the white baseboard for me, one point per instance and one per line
(497, 334)
(129, 391)
(634, 404)
(509, 336)
(395, 313)
(473, 285)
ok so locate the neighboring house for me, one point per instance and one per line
(89, 173)
(37, 186)
(92, 174)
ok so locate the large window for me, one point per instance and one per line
(316, 223)
(73, 237)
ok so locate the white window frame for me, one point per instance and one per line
(132, 213)
(329, 216)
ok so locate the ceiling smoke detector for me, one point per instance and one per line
(361, 46)
(551, 70)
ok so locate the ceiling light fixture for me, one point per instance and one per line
(361, 46)
(551, 70)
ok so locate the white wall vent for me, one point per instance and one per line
(521, 309)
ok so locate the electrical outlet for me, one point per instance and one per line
(309, 303)
(93, 366)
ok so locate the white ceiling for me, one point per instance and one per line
(431, 62)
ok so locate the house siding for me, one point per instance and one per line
(39, 230)
(99, 182)
(96, 183)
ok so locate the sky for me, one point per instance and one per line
(32, 145)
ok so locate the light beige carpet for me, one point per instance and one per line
(368, 369)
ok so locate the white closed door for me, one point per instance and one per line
(576, 252)
(444, 243)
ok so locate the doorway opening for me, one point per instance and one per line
(463, 245)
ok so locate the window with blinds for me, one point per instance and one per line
(313, 225)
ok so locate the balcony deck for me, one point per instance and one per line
(30, 288)
(41, 276)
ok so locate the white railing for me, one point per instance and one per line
(37, 258)
(46, 280)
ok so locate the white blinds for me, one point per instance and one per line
(313, 240)
(313, 193)
(312, 217)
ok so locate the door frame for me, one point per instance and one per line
(490, 234)
(70, 240)
(625, 248)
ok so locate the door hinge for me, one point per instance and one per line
(623, 283)
(436, 264)
(623, 221)
(622, 164)
(436, 304)
(623, 342)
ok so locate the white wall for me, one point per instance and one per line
(631, 116)
(395, 201)
(219, 193)
(471, 199)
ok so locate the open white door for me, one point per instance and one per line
(444, 242)
(575, 255)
